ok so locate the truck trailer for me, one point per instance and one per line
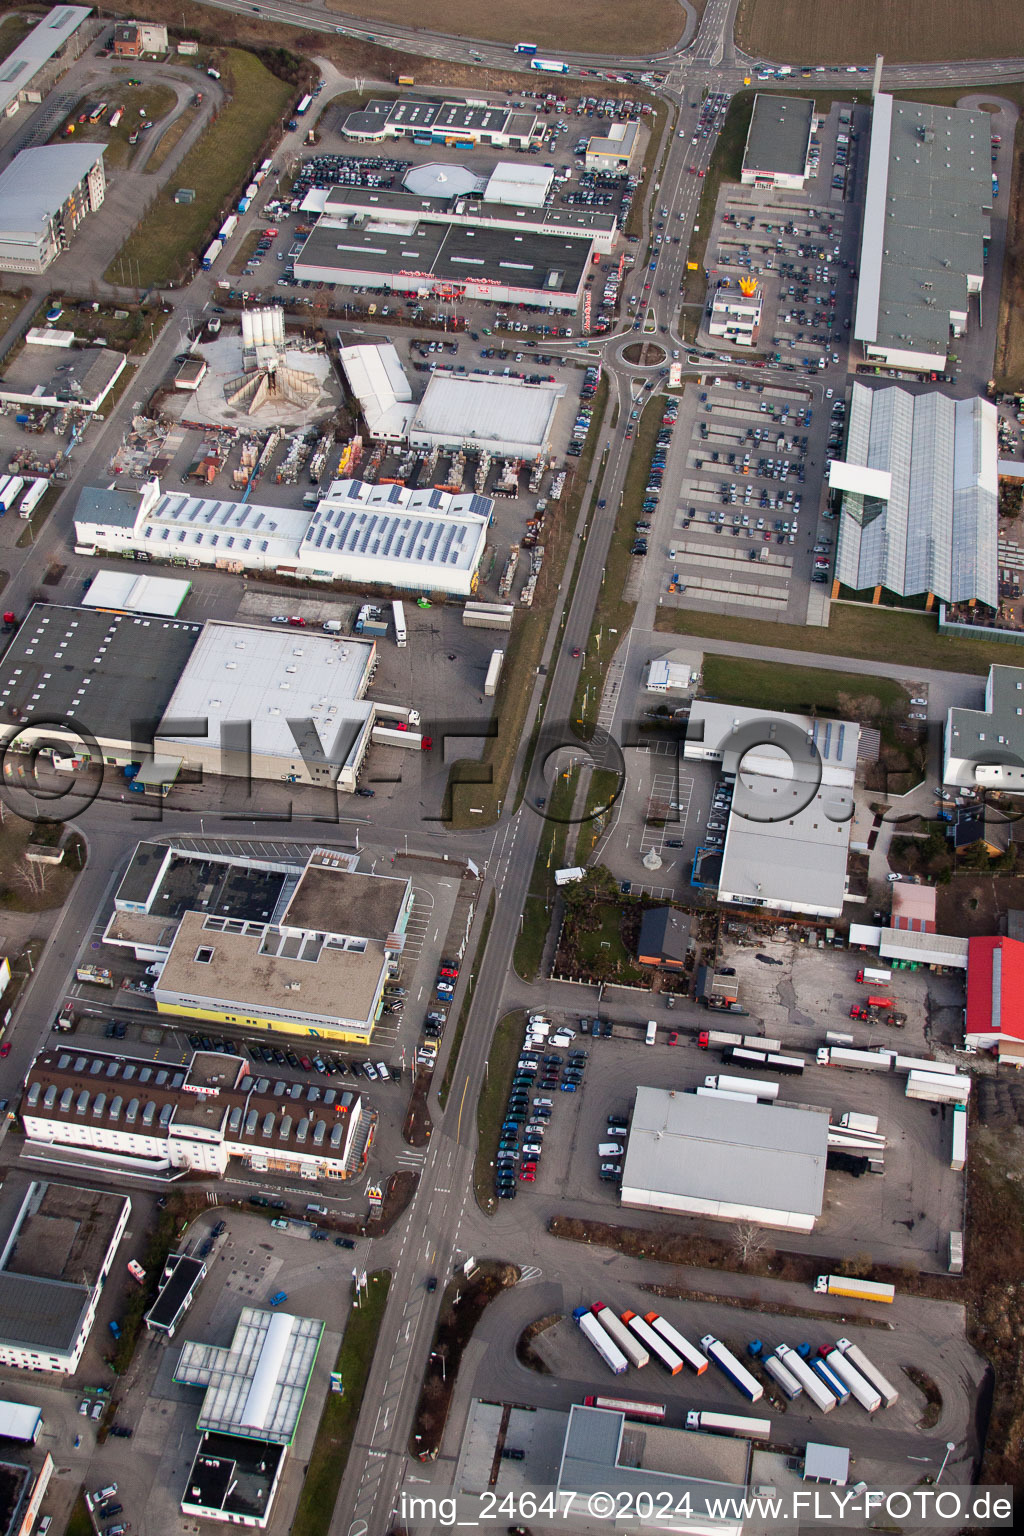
(610, 1353)
(411, 740)
(921, 1064)
(873, 977)
(859, 1387)
(870, 1061)
(959, 1154)
(729, 1424)
(782, 1376)
(627, 1342)
(210, 254)
(812, 1385)
(488, 615)
(493, 673)
(852, 1121)
(11, 488)
(937, 1088)
(849, 1285)
(687, 1352)
(728, 1364)
(753, 1087)
(653, 1343)
(888, 1393)
(840, 1391)
(722, 1093)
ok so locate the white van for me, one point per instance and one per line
(652, 1030)
(332, 626)
(609, 1149)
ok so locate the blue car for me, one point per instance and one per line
(567, 1088)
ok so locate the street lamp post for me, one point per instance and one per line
(950, 1447)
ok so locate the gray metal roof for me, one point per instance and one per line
(256, 1386)
(98, 504)
(752, 1155)
(39, 181)
(40, 1314)
(24, 63)
(926, 219)
(995, 734)
(591, 1464)
(501, 415)
(113, 673)
(779, 136)
(786, 846)
(938, 530)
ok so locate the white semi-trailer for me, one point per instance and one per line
(889, 1395)
(653, 1343)
(728, 1364)
(610, 1353)
(729, 1424)
(687, 1352)
(782, 1376)
(629, 1344)
(858, 1386)
(815, 1388)
(753, 1087)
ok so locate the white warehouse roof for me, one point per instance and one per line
(524, 185)
(130, 593)
(717, 1157)
(501, 416)
(255, 1387)
(277, 679)
(380, 384)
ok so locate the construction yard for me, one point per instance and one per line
(829, 31)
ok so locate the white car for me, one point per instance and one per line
(370, 1070)
(828, 394)
(894, 879)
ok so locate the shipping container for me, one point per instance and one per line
(728, 1364)
(815, 1389)
(888, 1393)
(610, 1353)
(629, 1344)
(687, 1352)
(728, 1424)
(647, 1413)
(956, 1253)
(654, 1343)
(849, 1285)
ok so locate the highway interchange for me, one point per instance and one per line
(443, 1225)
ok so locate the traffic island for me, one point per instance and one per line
(465, 1300)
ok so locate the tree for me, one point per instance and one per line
(750, 1241)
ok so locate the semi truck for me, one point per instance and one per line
(812, 1385)
(753, 1087)
(886, 1391)
(782, 1376)
(771, 1061)
(11, 487)
(849, 1285)
(728, 1364)
(398, 614)
(412, 740)
(610, 1353)
(525, 48)
(722, 1037)
(859, 1387)
(648, 1413)
(937, 1088)
(211, 253)
(627, 1342)
(550, 66)
(33, 496)
(729, 1424)
(687, 1352)
(653, 1343)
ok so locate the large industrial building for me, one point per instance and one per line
(994, 1018)
(31, 69)
(514, 197)
(59, 1243)
(133, 1118)
(919, 497)
(451, 123)
(268, 944)
(778, 147)
(448, 260)
(381, 387)
(420, 540)
(985, 747)
(716, 1157)
(925, 230)
(254, 1390)
(788, 831)
(39, 377)
(45, 193)
(292, 703)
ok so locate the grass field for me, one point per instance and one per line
(490, 1108)
(830, 31)
(871, 634)
(170, 139)
(158, 101)
(578, 26)
(804, 690)
(338, 1421)
(216, 167)
(551, 855)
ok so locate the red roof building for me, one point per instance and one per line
(995, 997)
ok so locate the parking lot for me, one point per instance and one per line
(903, 1216)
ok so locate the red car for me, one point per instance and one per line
(673, 1038)
(5, 1049)
(449, 970)
(576, 653)
(528, 1177)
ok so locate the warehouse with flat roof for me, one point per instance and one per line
(452, 123)
(45, 193)
(918, 493)
(926, 226)
(39, 59)
(985, 747)
(485, 414)
(778, 147)
(448, 259)
(713, 1157)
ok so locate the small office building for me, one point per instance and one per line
(778, 147)
(613, 153)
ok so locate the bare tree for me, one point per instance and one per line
(749, 1240)
(30, 877)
